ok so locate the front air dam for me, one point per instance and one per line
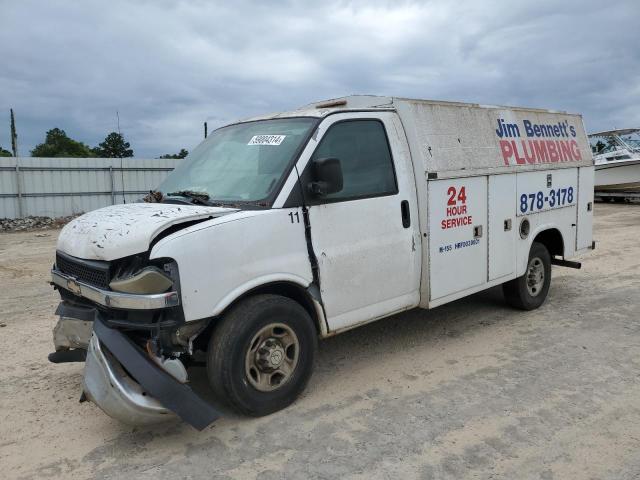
(151, 397)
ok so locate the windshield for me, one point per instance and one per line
(611, 143)
(240, 163)
(633, 142)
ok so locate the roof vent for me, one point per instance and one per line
(332, 103)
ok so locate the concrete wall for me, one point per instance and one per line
(56, 187)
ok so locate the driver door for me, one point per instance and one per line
(366, 237)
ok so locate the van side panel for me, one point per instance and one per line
(545, 191)
(502, 226)
(460, 140)
(457, 234)
(451, 140)
(585, 208)
(548, 201)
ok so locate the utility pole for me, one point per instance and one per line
(14, 147)
(14, 135)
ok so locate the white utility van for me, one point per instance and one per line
(287, 228)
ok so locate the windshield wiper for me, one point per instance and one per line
(237, 204)
(193, 196)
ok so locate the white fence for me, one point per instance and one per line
(56, 187)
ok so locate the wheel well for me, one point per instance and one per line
(286, 289)
(552, 239)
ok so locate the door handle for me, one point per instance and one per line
(406, 213)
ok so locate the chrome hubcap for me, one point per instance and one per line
(272, 357)
(535, 276)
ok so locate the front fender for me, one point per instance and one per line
(220, 262)
(255, 283)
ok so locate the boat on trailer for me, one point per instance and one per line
(616, 155)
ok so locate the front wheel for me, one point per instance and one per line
(261, 354)
(529, 291)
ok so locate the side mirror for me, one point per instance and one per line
(327, 176)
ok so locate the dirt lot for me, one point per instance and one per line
(468, 390)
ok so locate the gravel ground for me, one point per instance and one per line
(469, 390)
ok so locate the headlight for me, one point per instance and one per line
(148, 280)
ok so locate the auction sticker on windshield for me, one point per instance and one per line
(266, 140)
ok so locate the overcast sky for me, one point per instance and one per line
(167, 66)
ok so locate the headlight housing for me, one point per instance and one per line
(145, 281)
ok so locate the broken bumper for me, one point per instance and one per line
(108, 385)
(128, 386)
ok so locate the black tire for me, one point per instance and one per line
(518, 293)
(230, 347)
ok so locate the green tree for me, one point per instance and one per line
(5, 153)
(181, 154)
(114, 146)
(57, 144)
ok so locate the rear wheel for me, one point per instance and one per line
(261, 354)
(530, 290)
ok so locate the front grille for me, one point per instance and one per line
(93, 272)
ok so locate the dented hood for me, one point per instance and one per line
(122, 230)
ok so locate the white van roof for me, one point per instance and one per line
(323, 108)
(459, 139)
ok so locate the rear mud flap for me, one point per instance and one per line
(173, 395)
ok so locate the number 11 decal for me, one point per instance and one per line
(296, 215)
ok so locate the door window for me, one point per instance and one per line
(365, 157)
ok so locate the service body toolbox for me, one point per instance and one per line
(283, 229)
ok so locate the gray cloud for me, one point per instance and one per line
(167, 66)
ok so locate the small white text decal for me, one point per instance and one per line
(266, 140)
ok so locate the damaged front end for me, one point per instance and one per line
(125, 318)
(107, 384)
(131, 387)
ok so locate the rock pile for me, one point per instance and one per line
(33, 223)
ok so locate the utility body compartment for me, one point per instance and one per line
(480, 170)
